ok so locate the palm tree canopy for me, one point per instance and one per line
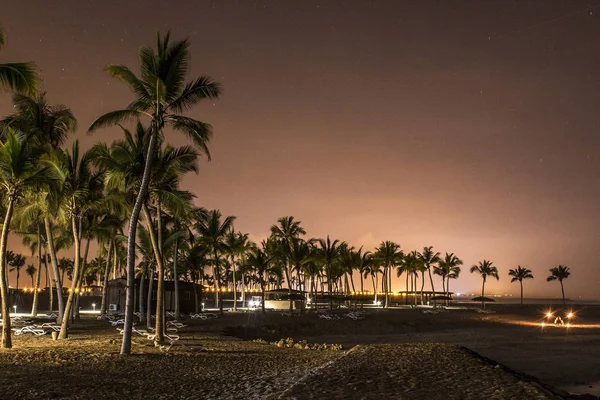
(389, 253)
(161, 92)
(559, 273)
(40, 121)
(486, 268)
(520, 273)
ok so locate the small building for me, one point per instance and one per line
(188, 303)
(279, 299)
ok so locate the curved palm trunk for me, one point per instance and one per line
(135, 215)
(38, 276)
(6, 339)
(562, 289)
(63, 334)
(176, 280)
(54, 262)
(374, 277)
(431, 280)
(106, 274)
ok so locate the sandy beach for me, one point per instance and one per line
(404, 354)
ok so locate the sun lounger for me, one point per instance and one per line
(49, 325)
(118, 322)
(29, 329)
(176, 324)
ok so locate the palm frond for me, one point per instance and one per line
(114, 118)
(199, 132)
(19, 77)
(202, 88)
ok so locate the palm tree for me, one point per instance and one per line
(447, 268)
(558, 274)
(286, 231)
(329, 254)
(485, 268)
(30, 270)
(16, 261)
(213, 232)
(47, 127)
(519, 274)
(19, 172)
(18, 77)
(261, 261)
(430, 258)
(390, 255)
(161, 96)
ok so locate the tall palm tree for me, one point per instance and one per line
(286, 231)
(330, 252)
(16, 261)
(46, 127)
(18, 77)
(261, 262)
(19, 172)
(30, 270)
(559, 273)
(447, 268)
(390, 255)
(161, 96)
(485, 268)
(429, 258)
(519, 274)
(213, 232)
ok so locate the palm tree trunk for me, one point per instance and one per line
(289, 283)
(106, 274)
(218, 297)
(6, 339)
(483, 293)
(374, 278)
(234, 285)
(131, 239)
(262, 289)
(431, 280)
(176, 280)
(141, 298)
(521, 282)
(54, 262)
(160, 288)
(196, 305)
(149, 300)
(562, 289)
(422, 287)
(63, 334)
(34, 306)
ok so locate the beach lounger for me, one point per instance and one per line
(118, 322)
(29, 329)
(176, 324)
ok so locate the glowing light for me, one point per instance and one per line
(570, 315)
(549, 315)
(543, 324)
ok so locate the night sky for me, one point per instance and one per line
(472, 126)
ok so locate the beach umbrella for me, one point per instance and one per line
(483, 299)
(441, 298)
